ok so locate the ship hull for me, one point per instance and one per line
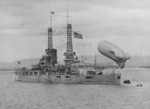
(110, 79)
(34, 79)
(86, 79)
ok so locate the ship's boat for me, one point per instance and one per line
(126, 81)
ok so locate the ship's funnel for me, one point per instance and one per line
(111, 51)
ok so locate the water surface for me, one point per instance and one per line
(21, 95)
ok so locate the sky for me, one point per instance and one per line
(24, 24)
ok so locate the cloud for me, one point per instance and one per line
(128, 4)
(7, 21)
(125, 23)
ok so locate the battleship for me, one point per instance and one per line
(72, 72)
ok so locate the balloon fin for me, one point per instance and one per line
(121, 64)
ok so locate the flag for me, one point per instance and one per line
(52, 12)
(78, 35)
(19, 62)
